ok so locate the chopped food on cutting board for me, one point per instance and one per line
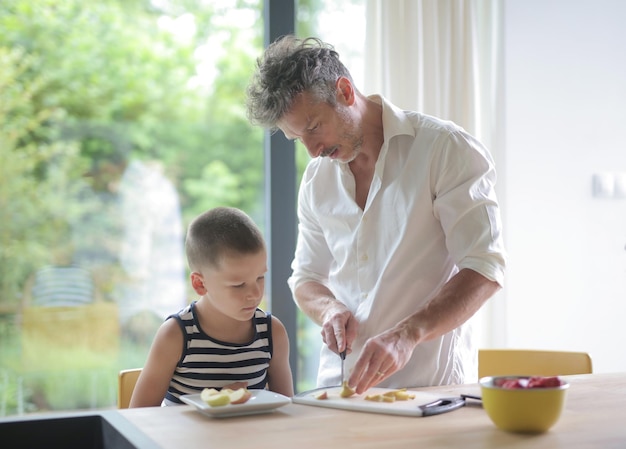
(389, 396)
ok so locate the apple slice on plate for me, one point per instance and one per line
(240, 396)
(216, 398)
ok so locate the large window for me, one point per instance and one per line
(119, 122)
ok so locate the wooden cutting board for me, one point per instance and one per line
(358, 403)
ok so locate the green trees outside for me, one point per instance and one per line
(26, 200)
(81, 82)
(132, 70)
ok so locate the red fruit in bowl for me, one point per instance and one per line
(510, 383)
(544, 382)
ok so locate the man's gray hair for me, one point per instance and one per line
(289, 67)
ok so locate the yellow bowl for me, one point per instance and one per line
(524, 410)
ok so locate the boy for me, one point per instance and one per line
(222, 340)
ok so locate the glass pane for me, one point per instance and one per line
(340, 24)
(119, 122)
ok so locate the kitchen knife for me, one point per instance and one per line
(442, 405)
(342, 354)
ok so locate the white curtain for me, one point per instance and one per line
(444, 58)
(440, 57)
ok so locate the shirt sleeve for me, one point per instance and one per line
(463, 183)
(313, 259)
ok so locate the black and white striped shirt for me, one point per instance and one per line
(210, 363)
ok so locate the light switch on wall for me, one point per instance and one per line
(619, 185)
(603, 185)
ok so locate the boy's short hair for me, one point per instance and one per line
(219, 232)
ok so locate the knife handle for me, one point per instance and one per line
(442, 405)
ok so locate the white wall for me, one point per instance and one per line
(565, 78)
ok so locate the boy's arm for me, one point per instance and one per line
(163, 357)
(279, 372)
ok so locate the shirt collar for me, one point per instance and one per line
(395, 121)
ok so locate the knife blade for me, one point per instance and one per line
(342, 354)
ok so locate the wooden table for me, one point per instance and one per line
(594, 417)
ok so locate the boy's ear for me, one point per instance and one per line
(197, 282)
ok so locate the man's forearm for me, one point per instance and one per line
(459, 299)
(316, 301)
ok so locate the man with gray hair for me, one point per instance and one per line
(399, 237)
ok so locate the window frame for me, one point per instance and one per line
(280, 195)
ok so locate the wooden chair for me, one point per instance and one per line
(525, 362)
(126, 381)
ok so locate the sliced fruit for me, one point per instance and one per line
(322, 395)
(391, 396)
(544, 382)
(218, 400)
(346, 391)
(239, 396)
(207, 392)
(404, 396)
(400, 395)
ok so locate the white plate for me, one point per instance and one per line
(261, 401)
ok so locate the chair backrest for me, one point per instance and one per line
(126, 381)
(526, 362)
